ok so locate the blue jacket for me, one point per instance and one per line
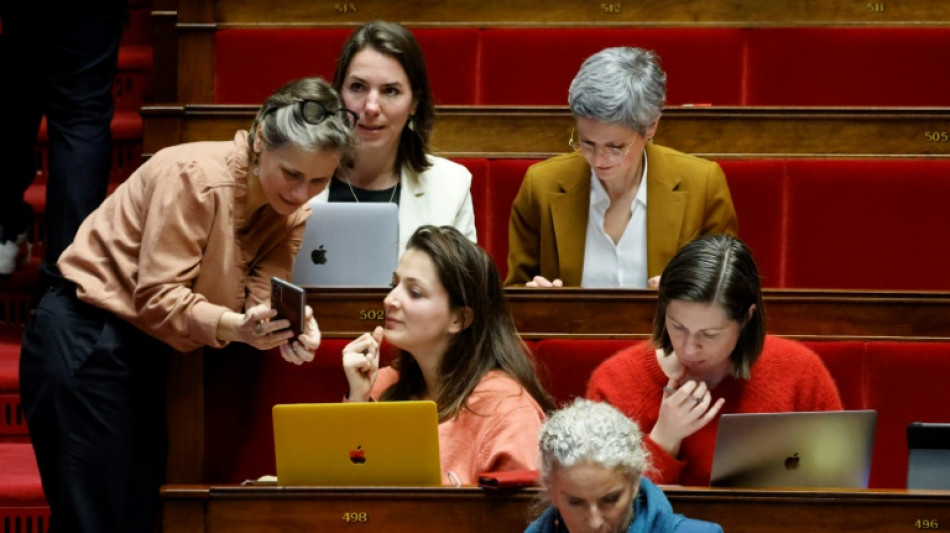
(652, 513)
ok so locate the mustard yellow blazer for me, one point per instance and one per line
(687, 197)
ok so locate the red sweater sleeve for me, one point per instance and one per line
(632, 381)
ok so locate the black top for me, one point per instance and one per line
(340, 192)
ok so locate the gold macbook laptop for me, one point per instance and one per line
(377, 444)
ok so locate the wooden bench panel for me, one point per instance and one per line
(568, 12)
(204, 509)
(628, 314)
(541, 132)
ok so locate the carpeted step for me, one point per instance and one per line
(12, 422)
(23, 507)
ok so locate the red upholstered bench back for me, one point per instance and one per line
(846, 66)
(800, 66)
(570, 362)
(535, 66)
(867, 224)
(280, 55)
(845, 361)
(906, 382)
(757, 187)
(499, 191)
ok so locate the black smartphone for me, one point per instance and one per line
(289, 301)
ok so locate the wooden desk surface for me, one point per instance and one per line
(206, 509)
(592, 313)
(539, 132)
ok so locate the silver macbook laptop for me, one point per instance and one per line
(928, 459)
(805, 449)
(349, 244)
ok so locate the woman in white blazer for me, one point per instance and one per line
(381, 75)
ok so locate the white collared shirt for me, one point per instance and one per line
(624, 264)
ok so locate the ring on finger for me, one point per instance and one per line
(258, 327)
(697, 400)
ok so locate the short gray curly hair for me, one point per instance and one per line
(588, 432)
(622, 85)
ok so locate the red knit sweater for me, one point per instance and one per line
(787, 377)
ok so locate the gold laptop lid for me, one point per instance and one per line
(357, 444)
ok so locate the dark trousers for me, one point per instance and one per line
(93, 390)
(58, 60)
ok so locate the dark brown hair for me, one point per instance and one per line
(396, 41)
(716, 269)
(489, 343)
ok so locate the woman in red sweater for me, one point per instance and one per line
(709, 355)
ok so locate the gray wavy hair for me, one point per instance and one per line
(588, 432)
(282, 121)
(621, 85)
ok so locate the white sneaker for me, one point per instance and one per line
(13, 253)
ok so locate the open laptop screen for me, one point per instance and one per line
(802, 449)
(357, 444)
(349, 244)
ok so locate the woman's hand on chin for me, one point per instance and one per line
(361, 364)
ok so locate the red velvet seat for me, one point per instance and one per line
(867, 224)
(133, 79)
(535, 66)
(906, 383)
(757, 188)
(828, 66)
(500, 189)
(568, 363)
(846, 362)
(480, 201)
(280, 55)
(242, 385)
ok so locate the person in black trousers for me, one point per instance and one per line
(58, 60)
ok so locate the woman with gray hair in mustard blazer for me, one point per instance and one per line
(616, 210)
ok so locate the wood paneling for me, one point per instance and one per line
(539, 132)
(583, 313)
(575, 12)
(195, 53)
(274, 508)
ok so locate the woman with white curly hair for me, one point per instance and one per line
(592, 465)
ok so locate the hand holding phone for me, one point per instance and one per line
(289, 301)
